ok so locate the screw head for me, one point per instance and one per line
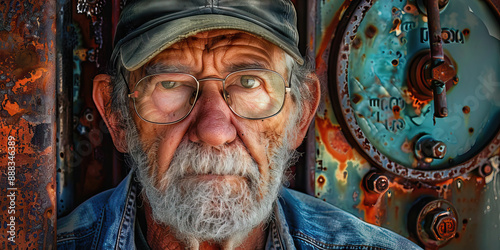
(439, 150)
(485, 170)
(444, 226)
(427, 147)
(377, 183)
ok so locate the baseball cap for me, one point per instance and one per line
(147, 27)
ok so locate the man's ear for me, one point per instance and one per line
(102, 99)
(309, 109)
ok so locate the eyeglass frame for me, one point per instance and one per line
(223, 80)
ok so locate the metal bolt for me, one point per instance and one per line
(427, 147)
(88, 115)
(377, 183)
(433, 221)
(485, 170)
(443, 226)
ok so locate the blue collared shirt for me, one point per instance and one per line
(300, 221)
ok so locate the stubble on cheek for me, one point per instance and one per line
(150, 147)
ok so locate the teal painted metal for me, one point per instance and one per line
(392, 115)
(387, 111)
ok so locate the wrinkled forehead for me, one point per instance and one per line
(233, 50)
(215, 38)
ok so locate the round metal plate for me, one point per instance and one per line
(370, 61)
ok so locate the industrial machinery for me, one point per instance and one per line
(408, 136)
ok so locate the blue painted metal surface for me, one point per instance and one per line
(377, 110)
(387, 111)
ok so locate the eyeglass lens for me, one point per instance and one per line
(169, 97)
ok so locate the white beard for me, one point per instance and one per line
(200, 209)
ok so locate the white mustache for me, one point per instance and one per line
(193, 159)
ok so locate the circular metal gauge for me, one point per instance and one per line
(382, 93)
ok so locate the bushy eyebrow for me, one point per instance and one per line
(166, 68)
(253, 65)
(158, 68)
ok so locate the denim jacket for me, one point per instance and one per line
(300, 221)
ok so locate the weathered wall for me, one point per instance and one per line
(27, 124)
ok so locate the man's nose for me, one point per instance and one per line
(212, 123)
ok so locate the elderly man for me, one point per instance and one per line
(210, 99)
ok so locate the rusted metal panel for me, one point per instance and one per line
(27, 124)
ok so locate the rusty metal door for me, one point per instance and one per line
(50, 130)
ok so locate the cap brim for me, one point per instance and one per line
(139, 50)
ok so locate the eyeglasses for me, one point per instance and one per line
(168, 98)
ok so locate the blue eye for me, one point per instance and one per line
(249, 81)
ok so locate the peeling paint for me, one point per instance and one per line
(27, 97)
(367, 58)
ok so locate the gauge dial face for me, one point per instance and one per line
(384, 96)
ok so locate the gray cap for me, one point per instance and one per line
(147, 27)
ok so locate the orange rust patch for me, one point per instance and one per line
(412, 9)
(396, 112)
(374, 205)
(357, 98)
(321, 181)
(52, 195)
(371, 206)
(406, 146)
(466, 32)
(11, 107)
(371, 31)
(395, 62)
(471, 130)
(35, 75)
(330, 29)
(396, 24)
(335, 142)
(414, 101)
(466, 109)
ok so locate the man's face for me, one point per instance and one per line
(211, 122)
(220, 166)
